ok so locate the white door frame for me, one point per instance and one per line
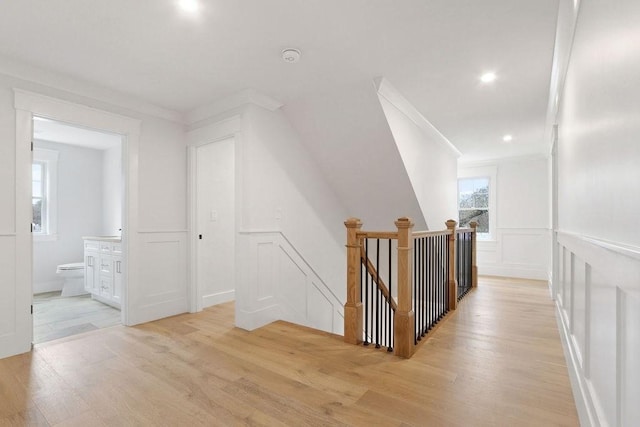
(29, 104)
(226, 129)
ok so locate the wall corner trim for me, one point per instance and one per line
(391, 94)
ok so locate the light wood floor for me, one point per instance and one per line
(56, 317)
(497, 361)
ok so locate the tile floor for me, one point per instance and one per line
(57, 317)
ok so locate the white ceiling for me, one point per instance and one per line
(432, 51)
(54, 131)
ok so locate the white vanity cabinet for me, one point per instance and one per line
(103, 269)
(91, 260)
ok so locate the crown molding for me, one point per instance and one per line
(79, 87)
(232, 102)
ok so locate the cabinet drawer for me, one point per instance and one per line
(116, 248)
(105, 247)
(106, 265)
(91, 245)
(105, 286)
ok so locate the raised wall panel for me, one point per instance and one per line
(524, 249)
(292, 285)
(602, 343)
(601, 328)
(266, 263)
(161, 290)
(560, 278)
(288, 288)
(568, 285)
(7, 286)
(319, 309)
(578, 309)
(630, 356)
(516, 252)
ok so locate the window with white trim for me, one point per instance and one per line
(473, 204)
(43, 193)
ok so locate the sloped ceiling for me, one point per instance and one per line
(432, 50)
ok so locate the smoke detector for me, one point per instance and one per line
(291, 55)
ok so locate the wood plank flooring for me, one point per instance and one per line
(497, 361)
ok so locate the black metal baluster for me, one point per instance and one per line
(418, 296)
(416, 287)
(390, 347)
(377, 293)
(426, 287)
(366, 295)
(443, 273)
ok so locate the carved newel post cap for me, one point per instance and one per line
(353, 223)
(451, 223)
(404, 222)
(473, 224)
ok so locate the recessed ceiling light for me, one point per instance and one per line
(507, 138)
(191, 6)
(488, 77)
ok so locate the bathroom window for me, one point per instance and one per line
(473, 204)
(43, 193)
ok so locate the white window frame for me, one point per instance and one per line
(491, 173)
(50, 193)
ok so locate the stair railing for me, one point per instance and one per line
(433, 271)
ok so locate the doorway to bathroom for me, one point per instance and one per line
(77, 200)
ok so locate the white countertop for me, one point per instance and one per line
(115, 239)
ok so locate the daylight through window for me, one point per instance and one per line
(473, 203)
(39, 197)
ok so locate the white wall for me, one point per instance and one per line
(160, 264)
(290, 244)
(429, 158)
(519, 246)
(598, 263)
(348, 136)
(112, 189)
(79, 208)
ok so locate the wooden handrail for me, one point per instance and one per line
(404, 317)
(418, 234)
(393, 235)
(379, 282)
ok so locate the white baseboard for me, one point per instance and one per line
(250, 320)
(219, 298)
(51, 286)
(509, 271)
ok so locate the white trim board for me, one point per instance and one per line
(395, 98)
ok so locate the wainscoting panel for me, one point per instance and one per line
(629, 359)
(516, 252)
(598, 307)
(288, 288)
(8, 289)
(266, 264)
(161, 290)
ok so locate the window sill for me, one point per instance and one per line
(45, 237)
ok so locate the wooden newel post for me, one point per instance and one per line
(353, 306)
(474, 263)
(404, 323)
(452, 282)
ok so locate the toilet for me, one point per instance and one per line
(73, 275)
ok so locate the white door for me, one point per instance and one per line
(16, 323)
(215, 206)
